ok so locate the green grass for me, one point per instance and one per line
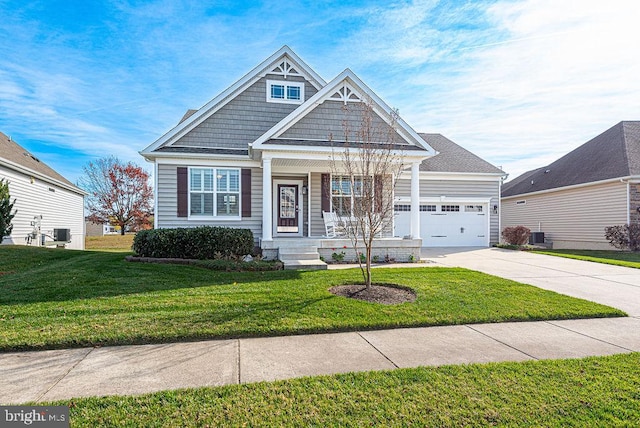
(110, 242)
(618, 258)
(596, 391)
(54, 299)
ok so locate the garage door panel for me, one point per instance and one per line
(447, 229)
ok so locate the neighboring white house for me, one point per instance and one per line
(573, 199)
(50, 209)
(258, 156)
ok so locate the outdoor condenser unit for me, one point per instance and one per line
(536, 238)
(62, 235)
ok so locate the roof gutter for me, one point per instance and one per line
(630, 178)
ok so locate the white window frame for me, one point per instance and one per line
(215, 191)
(352, 188)
(286, 85)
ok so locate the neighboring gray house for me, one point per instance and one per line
(573, 199)
(258, 156)
(48, 205)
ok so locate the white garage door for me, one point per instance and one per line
(446, 225)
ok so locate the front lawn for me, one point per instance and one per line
(597, 391)
(59, 298)
(619, 258)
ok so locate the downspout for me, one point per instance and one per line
(622, 180)
(155, 194)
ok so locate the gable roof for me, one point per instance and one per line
(345, 87)
(453, 158)
(192, 119)
(16, 157)
(613, 154)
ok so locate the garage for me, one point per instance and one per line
(446, 224)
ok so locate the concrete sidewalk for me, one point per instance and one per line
(125, 370)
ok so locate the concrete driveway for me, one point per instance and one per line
(615, 286)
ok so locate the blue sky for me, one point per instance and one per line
(518, 82)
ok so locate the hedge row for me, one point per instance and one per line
(203, 243)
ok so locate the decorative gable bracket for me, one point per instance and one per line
(346, 94)
(285, 68)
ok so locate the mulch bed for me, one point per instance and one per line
(386, 294)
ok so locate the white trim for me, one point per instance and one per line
(455, 176)
(257, 73)
(444, 200)
(274, 208)
(349, 78)
(286, 85)
(28, 171)
(308, 203)
(214, 216)
(207, 162)
(267, 220)
(632, 179)
(628, 203)
(155, 195)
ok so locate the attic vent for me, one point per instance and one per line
(29, 155)
(547, 171)
(521, 202)
(346, 94)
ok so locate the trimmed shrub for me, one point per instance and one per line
(203, 243)
(518, 235)
(624, 236)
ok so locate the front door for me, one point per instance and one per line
(288, 208)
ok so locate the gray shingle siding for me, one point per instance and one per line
(332, 121)
(167, 204)
(242, 119)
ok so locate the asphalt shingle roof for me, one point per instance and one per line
(613, 154)
(453, 158)
(15, 153)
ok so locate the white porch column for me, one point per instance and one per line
(267, 199)
(415, 200)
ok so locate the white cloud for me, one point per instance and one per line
(559, 74)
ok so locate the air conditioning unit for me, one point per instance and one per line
(536, 238)
(62, 235)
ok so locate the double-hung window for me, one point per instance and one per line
(349, 192)
(285, 92)
(214, 192)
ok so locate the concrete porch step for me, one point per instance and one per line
(299, 253)
(304, 264)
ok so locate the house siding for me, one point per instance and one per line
(458, 189)
(60, 209)
(573, 218)
(167, 204)
(242, 119)
(330, 122)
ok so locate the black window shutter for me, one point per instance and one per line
(183, 194)
(246, 192)
(325, 187)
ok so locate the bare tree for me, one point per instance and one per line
(119, 193)
(365, 169)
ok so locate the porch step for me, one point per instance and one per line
(305, 264)
(301, 257)
(299, 254)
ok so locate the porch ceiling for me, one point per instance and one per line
(300, 164)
